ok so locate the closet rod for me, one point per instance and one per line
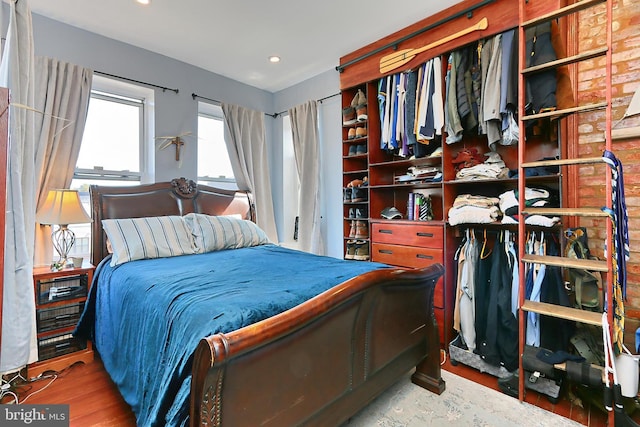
(468, 12)
(164, 89)
(215, 101)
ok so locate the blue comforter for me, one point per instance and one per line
(146, 317)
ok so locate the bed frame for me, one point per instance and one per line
(316, 364)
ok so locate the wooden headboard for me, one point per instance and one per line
(178, 197)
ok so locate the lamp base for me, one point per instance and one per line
(63, 240)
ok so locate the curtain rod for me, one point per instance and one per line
(164, 89)
(468, 12)
(274, 115)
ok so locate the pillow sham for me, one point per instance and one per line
(214, 233)
(145, 238)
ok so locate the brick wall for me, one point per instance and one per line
(590, 127)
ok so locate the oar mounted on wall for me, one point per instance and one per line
(399, 58)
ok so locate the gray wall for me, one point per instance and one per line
(177, 113)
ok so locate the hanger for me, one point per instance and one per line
(484, 255)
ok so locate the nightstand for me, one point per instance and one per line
(60, 298)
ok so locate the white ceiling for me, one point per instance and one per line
(234, 38)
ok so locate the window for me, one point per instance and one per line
(291, 184)
(214, 166)
(115, 146)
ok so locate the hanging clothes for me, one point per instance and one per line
(482, 281)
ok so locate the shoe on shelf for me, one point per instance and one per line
(361, 213)
(391, 213)
(347, 195)
(353, 150)
(348, 116)
(362, 250)
(361, 113)
(361, 132)
(359, 194)
(361, 149)
(355, 183)
(352, 213)
(352, 133)
(362, 230)
(359, 99)
(351, 249)
(352, 231)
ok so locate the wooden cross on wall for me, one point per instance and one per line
(178, 143)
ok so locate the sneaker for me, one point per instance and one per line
(362, 230)
(359, 99)
(361, 213)
(359, 194)
(391, 213)
(361, 113)
(361, 149)
(348, 116)
(361, 132)
(352, 231)
(347, 195)
(362, 250)
(352, 213)
(351, 249)
(353, 150)
(352, 133)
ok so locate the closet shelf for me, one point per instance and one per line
(576, 7)
(563, 162)
(556, 114)
(584, 212)
(559, 311)
(558, 261)
(566, 61)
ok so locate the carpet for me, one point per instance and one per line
(463, 403)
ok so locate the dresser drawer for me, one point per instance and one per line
(411, 257)
(426, 236)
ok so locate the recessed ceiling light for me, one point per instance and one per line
(274, 58)
(145, 2)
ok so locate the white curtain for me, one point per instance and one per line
(62, 93)
(19, 344)
(245, 139)
(304, 128)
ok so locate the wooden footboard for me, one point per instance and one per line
(322, 361)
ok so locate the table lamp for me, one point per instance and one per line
(61, 208)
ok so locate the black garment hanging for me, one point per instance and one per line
(482, 280)
(501, 345)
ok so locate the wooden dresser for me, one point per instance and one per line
(412, 244)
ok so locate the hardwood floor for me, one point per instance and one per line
(95, 401)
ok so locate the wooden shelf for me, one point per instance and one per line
(566, 61)
(558, 261)
(562, 312)
(584, 212)
(576, 7)
(565, 111)
(563, 162)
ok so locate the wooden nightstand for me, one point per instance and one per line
(60, 298)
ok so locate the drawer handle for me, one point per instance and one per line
(424, 256)
(385, 251)
(383, 231)
(63, 345)
(425, 234)
(63, 316)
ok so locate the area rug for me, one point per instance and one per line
(463, 403)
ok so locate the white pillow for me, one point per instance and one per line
(145, 238)
(214, 233)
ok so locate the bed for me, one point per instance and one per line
(325, 346)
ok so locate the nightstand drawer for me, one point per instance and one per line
(61, 288)
(405, 256)
(59, 345)
(59, 317)
(422, 235)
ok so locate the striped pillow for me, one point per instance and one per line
(214, 233)
(144, 238)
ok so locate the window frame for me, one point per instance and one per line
(212, 111)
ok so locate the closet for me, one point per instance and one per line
(501, 192)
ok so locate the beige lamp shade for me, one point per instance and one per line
(62, 207)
